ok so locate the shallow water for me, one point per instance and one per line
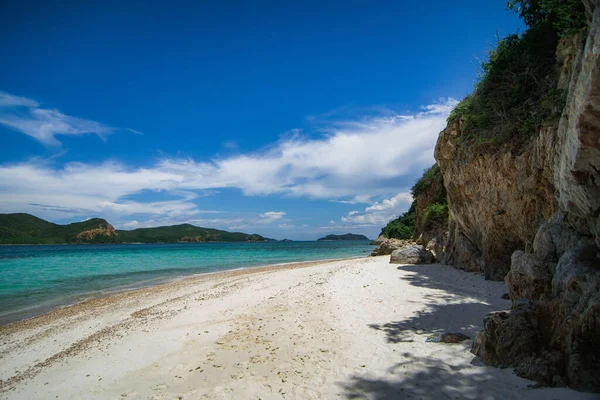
(35, 279)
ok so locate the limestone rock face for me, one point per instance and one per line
(496, 199)
(460, 252)
(528, 278)
(387, 246)
(552, 332)
(577, 176)
(413, 254)
(508, 337)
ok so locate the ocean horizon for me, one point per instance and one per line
(35, 279)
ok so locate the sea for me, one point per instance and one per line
(35, 279)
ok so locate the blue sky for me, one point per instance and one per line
(288, 119)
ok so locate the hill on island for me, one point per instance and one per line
(28, 229)
(347, 236)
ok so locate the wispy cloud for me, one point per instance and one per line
(26, 116)
(232, 221)
(354, 162)
(9, 100)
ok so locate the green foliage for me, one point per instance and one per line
(431, 176)
(27, 229)
(403, 227)
(183, 233)
(567, 17)
(429, 187)
(517, 89)
(435, 217)
(347, 236)
(516, 92)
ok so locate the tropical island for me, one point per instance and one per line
(21, 228)
(507, 221)
(347, 236)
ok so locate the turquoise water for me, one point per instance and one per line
(35, 279)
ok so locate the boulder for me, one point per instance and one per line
(413, 254)
(387, 246)
(508, 337)
(436, 247)
(552, 333)
(380, 239)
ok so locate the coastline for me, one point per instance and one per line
(352, 328)
(90, 297)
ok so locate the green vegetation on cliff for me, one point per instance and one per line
(185, 233)
(435, 217)
(567, 17)
(517, 89)
(347, 236)
(428, 212)
(432, 178)
(28, 229)
(402, 227)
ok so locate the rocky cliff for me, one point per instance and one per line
(497, 199)
(529, 213)
(104, 231)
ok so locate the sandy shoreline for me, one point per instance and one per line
(89, 298)
(338, 329)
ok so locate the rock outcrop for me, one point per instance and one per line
(90, 235)
(387, 246)
(412, 254)
(496, 199)
(552, 332)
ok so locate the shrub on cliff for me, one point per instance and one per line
(517, 90)
(567, 17)
(402, 227)
(435, 217)
(430, 189)
(431, 177)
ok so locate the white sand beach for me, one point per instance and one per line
(345, 329)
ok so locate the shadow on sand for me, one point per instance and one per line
(457, 305)
(433, 380)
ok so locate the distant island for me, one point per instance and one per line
(27, 229)
(347, 236)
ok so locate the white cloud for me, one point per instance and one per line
(232, 222)
(399, 200)
(271, 216)
(379, 213)
(130, 225)
(354, 163)
(9, 100)
(25, 115)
